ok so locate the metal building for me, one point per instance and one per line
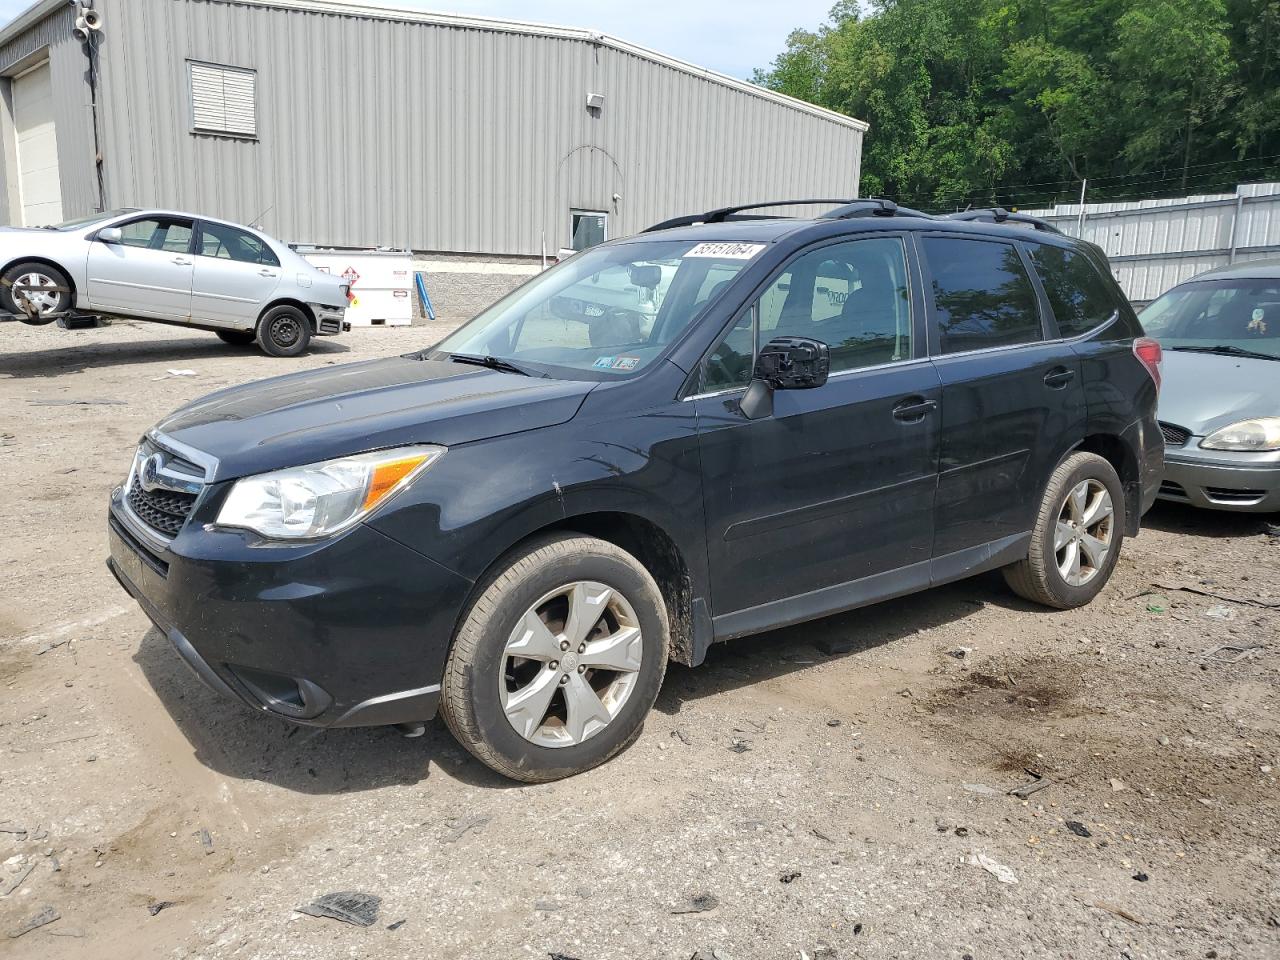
(338, 123)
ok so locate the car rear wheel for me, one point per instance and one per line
(237, 338)
(1077, 537)
(284, 331)
(558, 660)
(35, 292)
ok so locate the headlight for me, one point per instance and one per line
(1260, 434)
(303, 503)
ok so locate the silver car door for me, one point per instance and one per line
(235, 274)
(147, 273)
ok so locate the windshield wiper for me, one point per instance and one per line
(492, 363)
(1227, 350)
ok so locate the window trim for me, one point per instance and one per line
(583, 211)
(1047, 334)
(198, 131)
(919, 348)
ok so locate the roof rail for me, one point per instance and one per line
(1001, 215)
(873, 207)
(734, 213)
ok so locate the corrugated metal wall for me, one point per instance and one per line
(434, 137)
(1156, 244)
(67, 67)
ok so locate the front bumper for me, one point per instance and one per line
(1222, 480)
(349, 632)
(329, 320)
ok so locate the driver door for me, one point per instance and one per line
(828, 501)
(148, 273)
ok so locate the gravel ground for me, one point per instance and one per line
(782, 802)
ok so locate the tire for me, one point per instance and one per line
(36, 274)
(237, 338)
(483, 679)
(284, 331)
(1041, 577)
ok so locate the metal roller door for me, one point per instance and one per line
(38, 184)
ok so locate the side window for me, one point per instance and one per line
(982, 294)
(228, 243)
(853, 296)
(156, 233)
(1077, 294)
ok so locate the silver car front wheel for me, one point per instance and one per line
(35, 293)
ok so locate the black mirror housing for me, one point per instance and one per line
(793, 363)
(646, 275)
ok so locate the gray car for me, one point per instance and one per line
(1220, 403)
(170, 267)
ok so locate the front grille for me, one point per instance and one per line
(164, 511)
(1174, 435)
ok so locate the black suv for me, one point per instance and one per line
(726, 424)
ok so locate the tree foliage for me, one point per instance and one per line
(1015, 101)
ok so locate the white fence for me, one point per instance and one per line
(1155, 244)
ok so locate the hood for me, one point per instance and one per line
(335, 411)
(1206, 391)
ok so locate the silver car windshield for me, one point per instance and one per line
(607, 312)
(95, 218)
(1226, 316)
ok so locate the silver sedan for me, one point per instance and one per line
(170, 267)
(1220, 403)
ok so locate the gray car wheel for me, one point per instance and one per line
(44, 291)
(558, 660)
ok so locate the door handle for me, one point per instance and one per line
(182, 261)
(266, 273)
(914, 409)
(1059, 377)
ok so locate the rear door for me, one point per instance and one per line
(146, 274)
(1012, 400)
(837, 485)
(236, 273)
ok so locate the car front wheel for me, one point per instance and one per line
(558, 660)
(1077, 536)
(35, 293)
(284, 331)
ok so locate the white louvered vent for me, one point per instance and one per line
(222, 100)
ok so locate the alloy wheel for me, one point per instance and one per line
(570, 664)
(1083, 534)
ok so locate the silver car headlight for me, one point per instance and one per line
(319, 500)
(1261, 433)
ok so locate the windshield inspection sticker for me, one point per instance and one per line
(604, 363)
(616, 363)
(727, 251)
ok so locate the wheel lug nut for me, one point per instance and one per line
(564, 644)
(582, 648)
(564, 680)
(553, 664)
(582, 668)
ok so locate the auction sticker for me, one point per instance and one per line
(727, 251)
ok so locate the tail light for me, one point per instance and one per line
(1149, 353)
(346, 291)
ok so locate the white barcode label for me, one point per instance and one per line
(727, 251)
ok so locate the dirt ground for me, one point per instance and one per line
(781, 803)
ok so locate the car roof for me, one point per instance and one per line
(133, 213)
(1268, 269)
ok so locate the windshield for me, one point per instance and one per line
(1226, 315)
(93, 218)
(607, 313)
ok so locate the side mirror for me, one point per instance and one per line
(110, 235)
(785, 363)
(793, 363)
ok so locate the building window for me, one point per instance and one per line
(587, 228)
(223, 100)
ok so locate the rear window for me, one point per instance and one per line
(982, 295)
(1077, 295)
